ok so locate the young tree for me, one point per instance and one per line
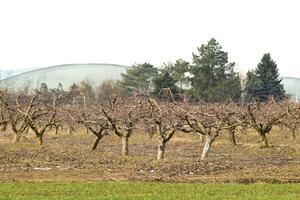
(214, 79)
(264, 83)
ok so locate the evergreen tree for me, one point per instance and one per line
(164, 80)
(264, 82)
(138, 78)
(251, 86)
(213, 76)
(178, 71)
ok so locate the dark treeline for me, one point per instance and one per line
(209, 78)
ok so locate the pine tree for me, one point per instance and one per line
(138, 78)
(264, 83)
(213, 76)
(162, 81)
(251, 86)
(178, 71)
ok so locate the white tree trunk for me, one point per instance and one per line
(161, 151)
(265, 143)
(70, 130)
(125, 148)
(17, 138)
(207, 146)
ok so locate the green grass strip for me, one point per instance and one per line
(139, 190)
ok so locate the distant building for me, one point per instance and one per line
(292, 87)
(66, 75)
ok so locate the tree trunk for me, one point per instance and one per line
(293, 130)
(125, 148)
(232, 137)
(207, 146)
(3, 127)
(56, 130)
(40, 138)
(17, 138)
(264, 140)
(96, 141)
(161, 151)
(27, 129)
(70, 129)
(202, 138)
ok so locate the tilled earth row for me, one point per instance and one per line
(69, 158)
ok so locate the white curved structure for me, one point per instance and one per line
(67, 75)
(292, 87)
(96, 74)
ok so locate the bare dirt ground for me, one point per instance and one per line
(68, 158)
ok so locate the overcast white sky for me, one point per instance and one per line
(40, 33)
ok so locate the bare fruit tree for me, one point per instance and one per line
(163, 118)
(4, 115)
(93, 120)
(292, 120)
(39, 115)
(207, 120)
(263, 116)
(123, 116)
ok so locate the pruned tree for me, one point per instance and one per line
(3, 121)
(207, 120)
(93, 120)
(18, 124)
(292, 120)
(9, 113)
(163, 118)
(264, 116)
(232, 123)
(39, 115)
(123, 116)
(56, 127)
(4, 116)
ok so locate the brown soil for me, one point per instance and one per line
(68, 158)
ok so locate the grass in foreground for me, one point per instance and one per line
(136, 190)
